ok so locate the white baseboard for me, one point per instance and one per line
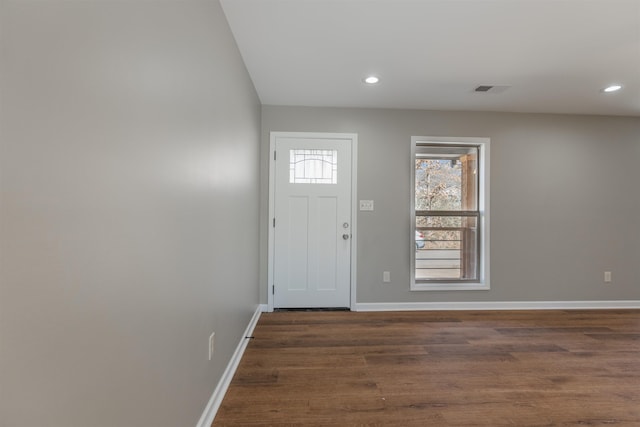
(499, 305)
(218, 394)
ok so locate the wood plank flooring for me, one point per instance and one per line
(506, 368)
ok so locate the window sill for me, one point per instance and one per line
(471, 286)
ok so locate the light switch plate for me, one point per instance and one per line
(366, 205)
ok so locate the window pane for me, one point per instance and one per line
(446, 178)
(438, 185)
(446, 248)
(313, 166)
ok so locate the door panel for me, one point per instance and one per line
(297, 242)
(327, 246)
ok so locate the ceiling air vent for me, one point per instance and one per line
(491, 88)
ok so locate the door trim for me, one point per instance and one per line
(353, 138)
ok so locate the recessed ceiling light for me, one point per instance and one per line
(612, 88)
(371, 80)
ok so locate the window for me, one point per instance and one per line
(450, 231)
(313, 166)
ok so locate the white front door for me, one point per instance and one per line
(312, 229)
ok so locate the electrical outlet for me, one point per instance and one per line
(607, 277)
(211, 341)
(386, 276)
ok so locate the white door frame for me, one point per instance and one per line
(353, 138)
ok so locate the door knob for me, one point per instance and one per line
(345, 236)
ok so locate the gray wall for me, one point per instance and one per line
(564, 200)
(128, 211)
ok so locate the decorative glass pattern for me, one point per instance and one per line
(313, 166)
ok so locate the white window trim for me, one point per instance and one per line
(483, 200)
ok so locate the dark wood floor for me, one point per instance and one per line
(517, 368)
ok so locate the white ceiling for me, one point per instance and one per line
(556, 55)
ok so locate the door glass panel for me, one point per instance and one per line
(313, 166)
